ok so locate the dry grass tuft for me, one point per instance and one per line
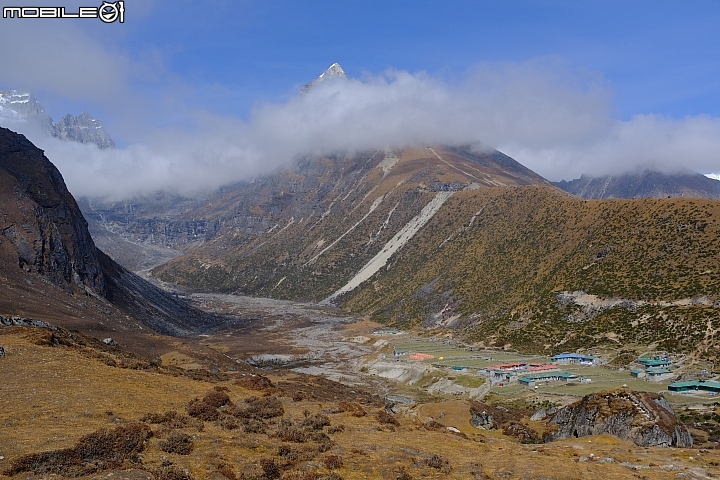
(437, 462)
(404, 475)
(172, 472)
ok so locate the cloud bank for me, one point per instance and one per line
(557, 122)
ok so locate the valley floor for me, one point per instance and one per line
(54, 393)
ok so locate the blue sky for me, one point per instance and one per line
(629, 73)
(657, 57)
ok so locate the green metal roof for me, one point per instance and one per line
(543, 376)
(692, 383)
(696, 384)
(653, 362)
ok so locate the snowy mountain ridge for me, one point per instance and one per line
(18, 107)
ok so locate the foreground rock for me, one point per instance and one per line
(508, 420)
(642, 417)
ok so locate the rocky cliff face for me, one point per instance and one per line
(642, 417)
(41, 219)
(83, 129)
(644, 184)
(43, 233)
(19, 106)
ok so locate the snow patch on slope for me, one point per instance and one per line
(393, 245)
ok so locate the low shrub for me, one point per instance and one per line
(437, 462)
(385, 418)
(206, 409)
(258, 383)
(101, 450)
(253, 425)
(270, 468)
(333, 462)
(226, 471)
(316, 422)
(178, 442)
(354, 409)
(259, 408)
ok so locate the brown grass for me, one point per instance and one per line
(58, 396)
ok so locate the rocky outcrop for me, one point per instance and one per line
(641, 417)
(488, 417)
(43, 233)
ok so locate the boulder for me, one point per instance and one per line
(539, 415)
(645, 418)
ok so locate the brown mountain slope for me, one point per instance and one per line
(44, 238)
(332, 214)
(427, 243)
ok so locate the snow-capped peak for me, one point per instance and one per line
(714, 176)
(334, 71)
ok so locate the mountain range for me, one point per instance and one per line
(18, 107)
(458, 238)
(644, 183)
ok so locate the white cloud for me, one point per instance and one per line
(61, 59)
(555, 121)
(644, 141)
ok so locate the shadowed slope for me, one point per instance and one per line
(43, 233)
